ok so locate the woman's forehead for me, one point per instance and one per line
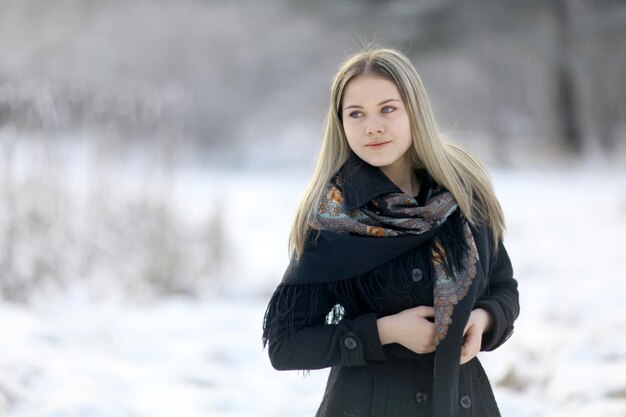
(369, 88)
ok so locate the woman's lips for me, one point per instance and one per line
(377, 145)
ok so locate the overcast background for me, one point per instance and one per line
(152, 154)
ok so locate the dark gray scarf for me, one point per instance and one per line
(383, 228)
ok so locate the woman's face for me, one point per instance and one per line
(376, 122)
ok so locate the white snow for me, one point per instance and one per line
(73, 354)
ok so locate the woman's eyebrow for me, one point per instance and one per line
(356, 106)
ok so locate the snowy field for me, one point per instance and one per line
(74, 354)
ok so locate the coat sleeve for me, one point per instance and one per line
(304, 338)
(500, 299)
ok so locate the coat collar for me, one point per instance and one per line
(364, 182)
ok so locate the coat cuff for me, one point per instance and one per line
(499, 331)
(361, 342)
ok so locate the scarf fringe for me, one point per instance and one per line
(352, 295)
(454, 248)
(362, 292)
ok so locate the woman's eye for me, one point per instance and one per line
(388, 109)
(355, 114)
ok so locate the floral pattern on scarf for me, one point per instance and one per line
(399, 214)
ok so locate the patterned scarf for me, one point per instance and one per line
(394, 215)
(397, 214)
(384, 227)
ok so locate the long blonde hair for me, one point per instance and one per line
(449, 164)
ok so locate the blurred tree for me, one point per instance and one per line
(243, 66)
(567, 109)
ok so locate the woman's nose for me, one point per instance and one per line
(375, 129)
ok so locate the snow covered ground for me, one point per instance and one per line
(76, 355)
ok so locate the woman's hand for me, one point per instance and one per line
(479, 321)
(410, 328)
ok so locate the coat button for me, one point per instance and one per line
(465, 402)
(349, 342)
(421, 397)
(417, 274)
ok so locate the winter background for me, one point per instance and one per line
(152, 155)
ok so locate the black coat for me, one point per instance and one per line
(371, 380)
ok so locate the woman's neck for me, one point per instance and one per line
(403, 176)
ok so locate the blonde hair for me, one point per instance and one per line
(450, 165)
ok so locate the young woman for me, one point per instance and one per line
(398, 276)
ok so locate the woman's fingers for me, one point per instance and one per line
(425, 311)
(471, 345)
(414, 331)
(420, 335)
